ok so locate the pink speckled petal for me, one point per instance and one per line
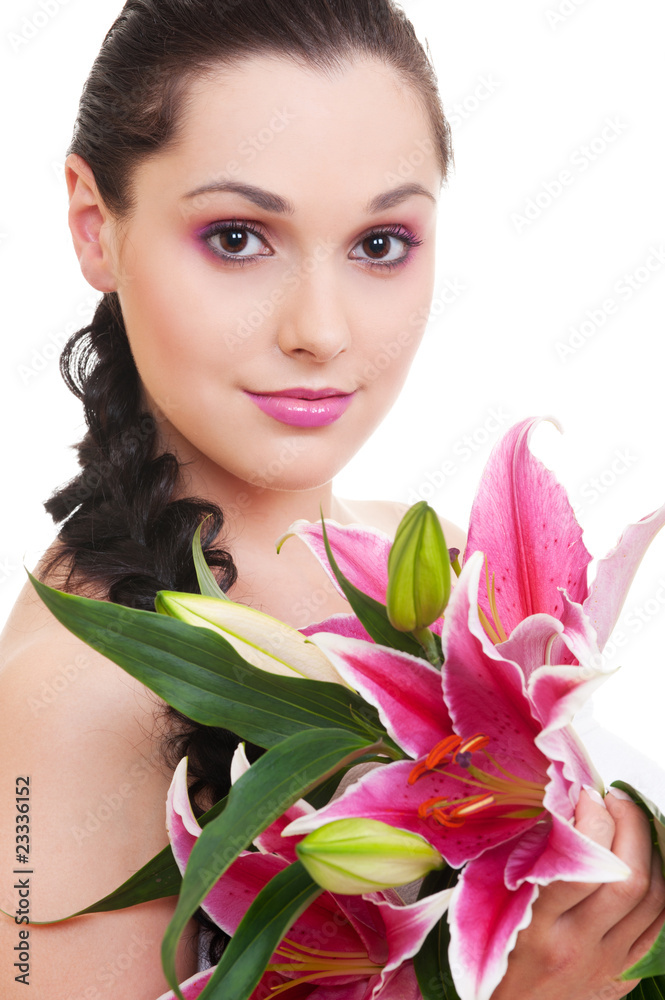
(406, 689)
(484, 692)
(522, 520)
(360, 552)
(408, 926)
(340, 624)
(565, 855)
(182, 826)
(485, 918)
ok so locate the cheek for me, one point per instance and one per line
(394, 320)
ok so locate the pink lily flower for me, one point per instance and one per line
(522, 521)
(340, 948)
(536, 561)
(496, 775)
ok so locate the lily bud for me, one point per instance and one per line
(261, 640)
(352, 856)
(418, 570)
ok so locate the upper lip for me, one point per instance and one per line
(302, 392)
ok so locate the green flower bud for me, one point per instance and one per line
(418, 570)
(352, 856)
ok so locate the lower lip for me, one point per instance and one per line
(303, 412)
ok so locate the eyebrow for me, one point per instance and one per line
(271, 202)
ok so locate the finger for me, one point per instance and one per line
(612, 902)
(640, 928)
(594, 821)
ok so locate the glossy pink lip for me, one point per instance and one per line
(302, 407)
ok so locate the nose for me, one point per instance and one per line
(313, 320)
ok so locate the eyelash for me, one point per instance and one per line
(396, 230)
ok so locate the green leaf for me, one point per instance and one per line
(653, 963)
(275, 909)
(649, 989)
(159, 878)
(272, 784)
(199, 673)
(207, 583)
(431, 963)
(371, 613)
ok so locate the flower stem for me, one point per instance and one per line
(426, 639)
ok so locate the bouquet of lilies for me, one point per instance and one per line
(420, 774)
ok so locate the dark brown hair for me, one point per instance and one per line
(123, 534)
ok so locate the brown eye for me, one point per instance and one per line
(377, 246)
(236, 242)
(233, 240)
(385, 248)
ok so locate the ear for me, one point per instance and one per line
(90, 223)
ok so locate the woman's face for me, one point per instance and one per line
(286, 245)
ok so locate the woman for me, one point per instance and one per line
(264, 277)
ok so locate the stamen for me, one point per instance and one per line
(511, 796)
(448, 751)
(485, 622)
(316, 964)
(495, 630)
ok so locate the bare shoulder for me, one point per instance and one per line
(386, 515)
(90, 735)
(88, 738)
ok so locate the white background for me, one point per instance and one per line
(527, 85)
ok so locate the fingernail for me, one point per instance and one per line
(620, 794)
(594, 794)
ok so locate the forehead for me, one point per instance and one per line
(273, 122)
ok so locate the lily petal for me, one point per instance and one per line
(192, 987)
(614, 573)
(406, 689)
(485, 918)
(270, 840)
(181, 823)
(522, 520)
(360, 552)
(565, 855)
(557, 694)
(340, 624)
(408, 926)
(542, 639)
(386, 795)
(484, 692)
